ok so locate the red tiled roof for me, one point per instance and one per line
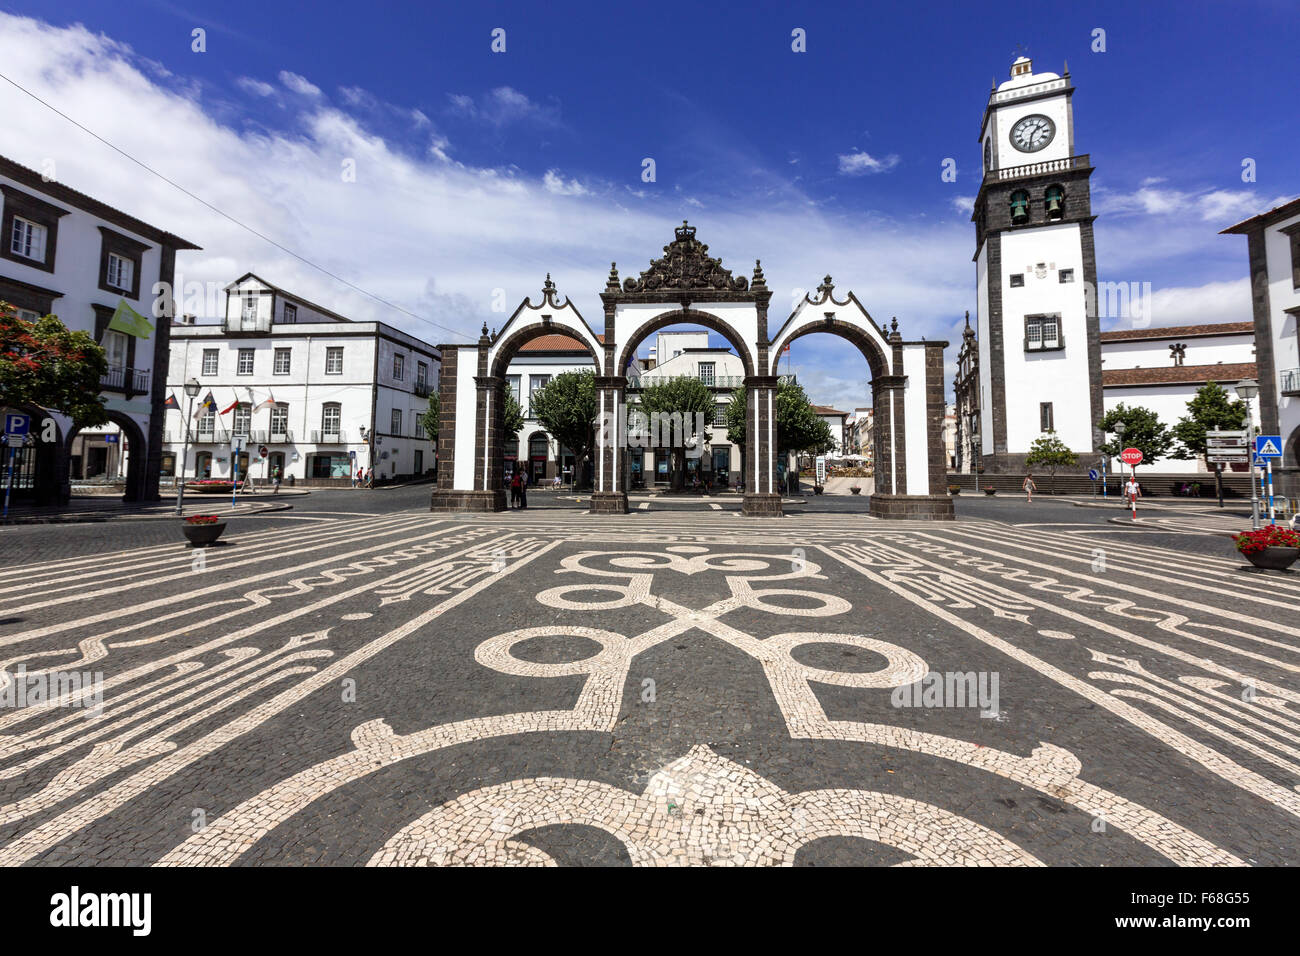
(827, 410)
(1179, 331)
(1178, 374)
(1284, 211)
(557, 342)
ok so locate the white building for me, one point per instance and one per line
(1039, 355)
(323, 394)
(679, 354)
(837, 422)
(1161, 369)
(1273, 245)
(63, 252)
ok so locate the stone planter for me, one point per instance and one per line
(1274, 559)
(202, 535)
(818, 489)
(990, 491)
(954, 489)
(855, 490)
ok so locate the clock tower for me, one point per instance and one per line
(1036, 274)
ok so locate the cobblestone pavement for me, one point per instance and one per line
(358, 682)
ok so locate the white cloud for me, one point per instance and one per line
(299, 84)
(1224, 206)
(255, 87)
(963, 204)
(1227, 301)
(860, 163)
(554, 183)
(503, 106)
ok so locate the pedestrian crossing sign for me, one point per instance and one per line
(1268, 446)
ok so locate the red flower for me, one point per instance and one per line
(1271, 536)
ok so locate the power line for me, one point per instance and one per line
(242, 225)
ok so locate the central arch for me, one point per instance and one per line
(688, 286)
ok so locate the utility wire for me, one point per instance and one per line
(242, 225)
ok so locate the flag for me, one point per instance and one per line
(231, 407)
(786, 349)
(127, 320)
(208, 402)
(268, 402)
(171, 402)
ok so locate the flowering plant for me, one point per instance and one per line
(201, 519)
(1272, 536)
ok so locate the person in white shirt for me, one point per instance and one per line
(1132, 490)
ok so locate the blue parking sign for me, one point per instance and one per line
(17, 424)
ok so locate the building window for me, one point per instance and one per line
(249, 312)
(1017, 280)
(282, 361)
(279, 421)
(334, 360)
(119, 263)
(290, 312)
(1066, 275)
(210, 359)
(331, 418)
(1043, 332)
(1045, 422)
(28, 239)
(399, 367)
(120, 271)
(512, 383)
(1019, 206)
(243, 419)
(706, 373)
(1292, 232)
(396, 422)
(535, 384)
(115, 349)
(208, 421)
(421, 375)
(245, 365)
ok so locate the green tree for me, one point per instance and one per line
(1143, 430)
(44, 363)
(1211, 407)
(1052, 453)
(429, 420)
(566, 407)
(798, 427)
(678, 410)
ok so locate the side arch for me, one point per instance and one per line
(137, 451)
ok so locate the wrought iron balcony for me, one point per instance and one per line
(422, 389)
(210, 436)
(247, 325)
(119, 378)
(1290, 381)
(336, 437)
(281, 436)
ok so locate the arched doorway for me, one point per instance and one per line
(688, 286)
(115, 452)
(39, 468)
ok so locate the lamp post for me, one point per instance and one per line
(191, 392)
(1120, 429)
(1246, 390)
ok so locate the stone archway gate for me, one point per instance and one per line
(687, 286)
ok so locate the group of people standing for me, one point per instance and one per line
(519, 489)
(364, 478)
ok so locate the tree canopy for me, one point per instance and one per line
(798, 426)
(1211, 407)
(44, 363)
(677, 411)
(1143, 430)
(566, 407)
(1052, 453)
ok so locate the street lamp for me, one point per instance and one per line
(191, 392)
(1246, 390)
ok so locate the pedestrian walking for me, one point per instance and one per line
(275, 480)
(1132, 491)
(356, 479)
(370, 477)
(523, 489)
(1029, 487)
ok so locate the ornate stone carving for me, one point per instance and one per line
(686, 265)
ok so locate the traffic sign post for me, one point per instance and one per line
(16, 428)
(1132, 457)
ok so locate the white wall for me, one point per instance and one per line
(1282, 296)
(1202, 350)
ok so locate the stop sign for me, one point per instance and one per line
(1131, 456)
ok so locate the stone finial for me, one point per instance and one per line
(893, 329)
(758, 282)
(484, 333)
(548, 287)
(611, 284)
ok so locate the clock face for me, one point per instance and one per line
(1032, 133)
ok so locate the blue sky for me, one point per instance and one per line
(479, 171)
